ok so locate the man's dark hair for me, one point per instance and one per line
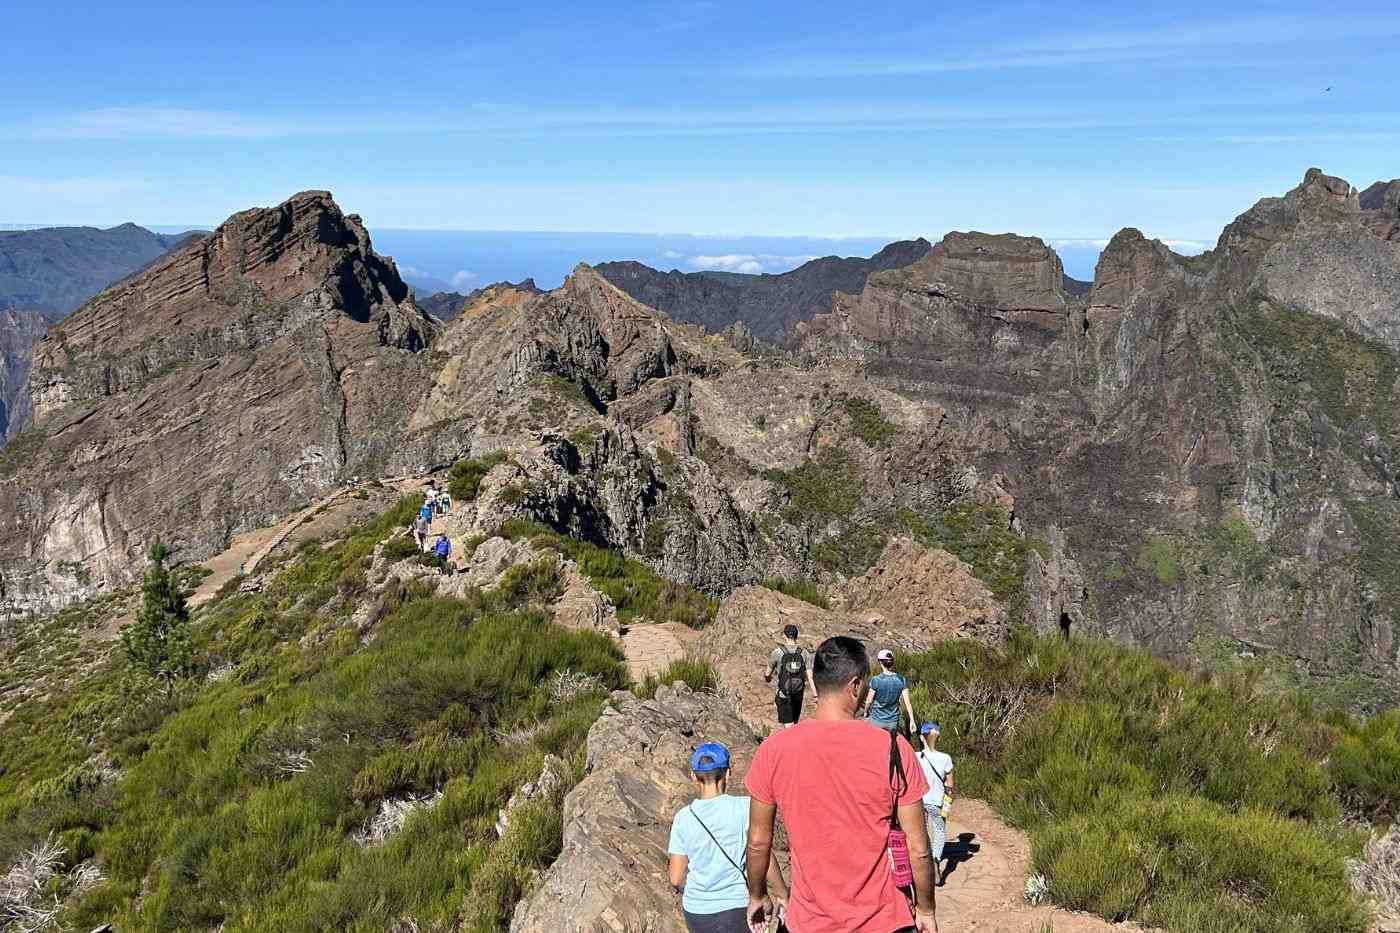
(790, 631)
(838, 661)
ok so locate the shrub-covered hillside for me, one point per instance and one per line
(321, 768)
(1181, 801)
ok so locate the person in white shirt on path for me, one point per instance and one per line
(938, 768)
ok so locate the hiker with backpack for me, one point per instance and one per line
(887, 691)
(852, 801)
(420, 531)
(938, 769)
(707, 849)
(788, 663)
(426, 513)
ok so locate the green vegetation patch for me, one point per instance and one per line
(697, 674)
(22, 450)
(1351, 377)
(636, 590)
(867, 421)
(1154, 795)
(805, 590)
(980, 535)
(256, 799)
(464, 479)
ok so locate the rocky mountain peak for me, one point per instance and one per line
(1002, 271)
(1128, 264)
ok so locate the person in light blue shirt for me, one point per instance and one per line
(707, 848)
(887, 691)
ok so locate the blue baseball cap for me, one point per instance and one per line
(711, 756)
(928, 727)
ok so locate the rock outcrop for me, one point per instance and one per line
(611, 871)
(928, 590)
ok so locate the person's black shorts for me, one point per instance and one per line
(789, 708)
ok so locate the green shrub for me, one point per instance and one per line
(1365, 767)
(464, 479)
(399, 547)
(1182, 863)
(805, 590)
(1150, 794)
(697, 674)
(868, 422)
(636, 590)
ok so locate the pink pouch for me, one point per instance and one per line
(900, 865)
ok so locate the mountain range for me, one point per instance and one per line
(54, 269)
(1196, 454)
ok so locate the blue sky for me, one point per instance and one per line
(1066, 120)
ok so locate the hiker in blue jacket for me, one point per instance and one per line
(708, 845)
(443, 549)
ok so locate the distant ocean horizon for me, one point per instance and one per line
(461, 260)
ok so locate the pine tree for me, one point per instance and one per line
(158, 642)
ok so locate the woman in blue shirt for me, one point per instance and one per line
(887, 691)
(709, 839)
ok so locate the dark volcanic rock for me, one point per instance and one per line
(55, 269)
(769, 304)
(18, 331)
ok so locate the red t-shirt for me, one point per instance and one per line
(831, 782)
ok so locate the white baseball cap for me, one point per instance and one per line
(885, 654)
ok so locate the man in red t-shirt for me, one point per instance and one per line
(830, 775)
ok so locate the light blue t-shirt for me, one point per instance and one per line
(712, 883)
(884, 712)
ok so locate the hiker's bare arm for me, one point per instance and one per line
(777, 885)
(911, 820)
(909, 708)
(869, 699)
(951, 784)
(772, 667)
(678, 867)
(760, 846)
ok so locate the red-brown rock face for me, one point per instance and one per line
(237, 377)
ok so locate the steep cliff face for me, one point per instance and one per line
(234, 379)
(18, 331)
(768, 304)
(1208, 441)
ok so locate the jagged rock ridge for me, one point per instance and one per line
(768, 304)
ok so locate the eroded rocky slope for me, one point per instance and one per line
(18, 331)
(1213, 436)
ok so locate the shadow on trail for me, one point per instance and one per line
(957, 851)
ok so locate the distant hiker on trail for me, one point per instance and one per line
(938, 769)
(420, 531)
(789, 662)
(426, 513)
(852, 801)
(443, 549)
(707, 849)
(444, 501)
(887, 691)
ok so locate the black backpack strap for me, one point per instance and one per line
(742, 873)
(942, 778)
(898, 782)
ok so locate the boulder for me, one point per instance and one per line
(611, 870)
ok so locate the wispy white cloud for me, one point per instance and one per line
(1095, 48)
(1181, 246)
(750, 263)
(463, 279)
(68, 188)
